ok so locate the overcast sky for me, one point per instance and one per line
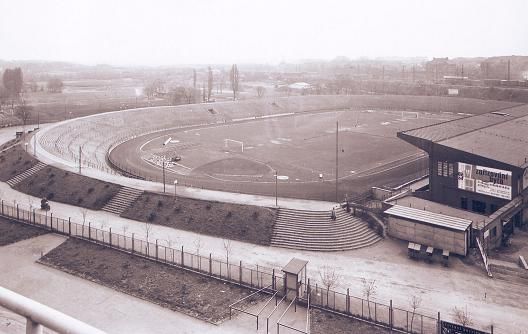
(156, 32)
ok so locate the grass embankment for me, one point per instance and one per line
(15, 161)
(232, 221)
(12, 231)
(190, 293)
(70, 188)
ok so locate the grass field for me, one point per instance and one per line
(12, 231)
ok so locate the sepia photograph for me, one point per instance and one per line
(270, 167)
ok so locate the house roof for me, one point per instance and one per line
(431, 218)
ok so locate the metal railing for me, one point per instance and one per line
(39, 316)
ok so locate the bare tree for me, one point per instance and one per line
(260, 91)
(148, 229)
(234, 78)
(198, 245)
(203, 92)
(194, 78)
(84, 213)
(125, 229)
(369, 291)
(462, 316)
(330, 279)
(31, 203)
(415, 303)
(227, 249)
(209, 83)
(23, 112)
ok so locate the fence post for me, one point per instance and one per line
(69, 225)
(110, 236)
(390, 315)
(51, 218)
(156, 249)
(18, 216)
(348, 301)
(182, 263)
(2, 207)
(89, 231)
(132, 242)
(439, 324)
(273, 284)
(34, 217)
(240, 276)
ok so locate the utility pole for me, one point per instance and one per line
(163, 176)
(276, 183)
(337, 155)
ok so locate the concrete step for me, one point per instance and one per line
(24, 175)
(122, 200)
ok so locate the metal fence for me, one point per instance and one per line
(371, 311)
(257, 277)
(254, 277)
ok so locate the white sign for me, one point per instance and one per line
(452, 91)
(486, 234)
(485, 180)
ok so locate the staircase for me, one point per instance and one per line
(22, 176)
(122, 200)
(316, 231)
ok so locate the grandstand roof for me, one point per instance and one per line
(498, 135)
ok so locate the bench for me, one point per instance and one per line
(429, 251)
(445, 257)
(522, 262)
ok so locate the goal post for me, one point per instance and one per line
(229, 143)
(409, 115)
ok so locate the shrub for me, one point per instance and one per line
(151, 217)
(177, 209)
(79, 200)
(255, 214)
(208, 206)
(229, 214)
(90, 190)
(50, 195)
(106, 186)
(51, 175)
(160, 204)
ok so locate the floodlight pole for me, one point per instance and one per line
(276, 183)
(163, 176)
(337, 155)
(175, 183)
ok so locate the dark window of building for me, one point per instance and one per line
(445, 169)
(439, 168)
(451, 169)
(493, 208)
(494, 231)
(464, 203)
(478, 206)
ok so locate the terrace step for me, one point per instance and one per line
(122, 200)
(22, 176)
(317, 231)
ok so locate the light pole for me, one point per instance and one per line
(276, 182)
(175, 183)
(163, 175)
(26, 145)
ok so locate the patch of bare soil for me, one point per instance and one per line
(329, 323)
(233, 221)
(70, 188)
(12, 231)
(15, 161)
(179, 290)
(518, 246)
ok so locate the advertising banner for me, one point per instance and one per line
(485, 180)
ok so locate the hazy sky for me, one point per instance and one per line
(266, 31)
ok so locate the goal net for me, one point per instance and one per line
(409, 115)
(234, 145)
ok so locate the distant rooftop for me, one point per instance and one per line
(486, 135)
